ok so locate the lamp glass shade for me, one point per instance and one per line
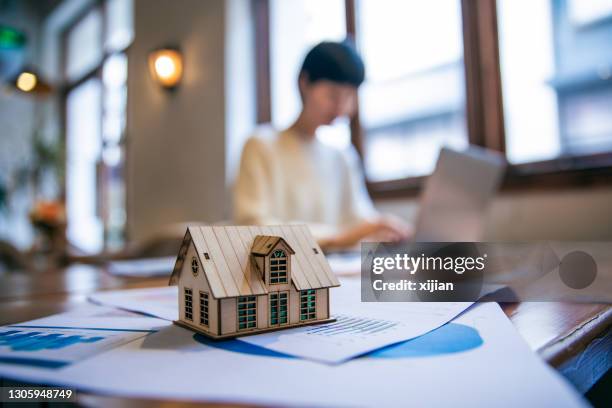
(26, 81)
(166, 66)
(29, 81)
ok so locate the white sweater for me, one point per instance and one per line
(285, 178)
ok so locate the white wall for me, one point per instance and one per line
(568, 214)
(176, 141)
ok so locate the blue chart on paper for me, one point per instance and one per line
(351, 325)
(447, 339)
(19, 340)
(58, 346)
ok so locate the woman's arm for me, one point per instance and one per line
(361, 221)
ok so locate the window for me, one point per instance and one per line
(84, 45)
(114, 78)
(308, 303)
(188, 304)
(119, 30)
(278, 267)
(559, 103)
(95, 76)
(194, 266)
(247, 312)
(413, 100)
(295, 26)
(83, 149)
(427, 86)
(278, 308)
(204, 309)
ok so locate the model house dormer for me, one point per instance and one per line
(271, 255)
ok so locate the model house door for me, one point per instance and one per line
(278, 308)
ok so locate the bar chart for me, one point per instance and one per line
(351, 325)
(56, 347)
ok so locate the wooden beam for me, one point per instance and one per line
(482, 74)
(355, 124)
(261, 12)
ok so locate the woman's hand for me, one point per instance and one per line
(386, 228)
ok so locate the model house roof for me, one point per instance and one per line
(224, 253)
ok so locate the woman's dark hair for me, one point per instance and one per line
(334, 61)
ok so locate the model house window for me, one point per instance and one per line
(194, 266)
(278, 308)
(247, 312)
(188, 304)
(204, 309)
(278, 267)
(308, 304)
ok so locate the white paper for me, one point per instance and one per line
(360, 327)
(90, 315)
(160, 302)
(481, 361)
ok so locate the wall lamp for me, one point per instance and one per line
(166, 66)
(28, 81)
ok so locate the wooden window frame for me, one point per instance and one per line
(204, 309)
(251, 304)
(484, 107)
(278, 308)
(263, 90)
(310, 315)
(188, 308)
(195, 265)
(282, 275)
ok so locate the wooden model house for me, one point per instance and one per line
(238, 280)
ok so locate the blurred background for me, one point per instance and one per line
(122, 120)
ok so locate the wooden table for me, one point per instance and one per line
(574, 338)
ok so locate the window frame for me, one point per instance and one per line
(282, 275)
(188, 298)
(484, 108)
(204, 309)
(250, 304)
(195, 265)
(310, 312)
(278, 308)
(68, 85)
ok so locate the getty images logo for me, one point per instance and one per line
(466, 271)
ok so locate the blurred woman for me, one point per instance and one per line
(289, 176)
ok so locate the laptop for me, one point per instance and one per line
(455, 197)
(453, 202)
